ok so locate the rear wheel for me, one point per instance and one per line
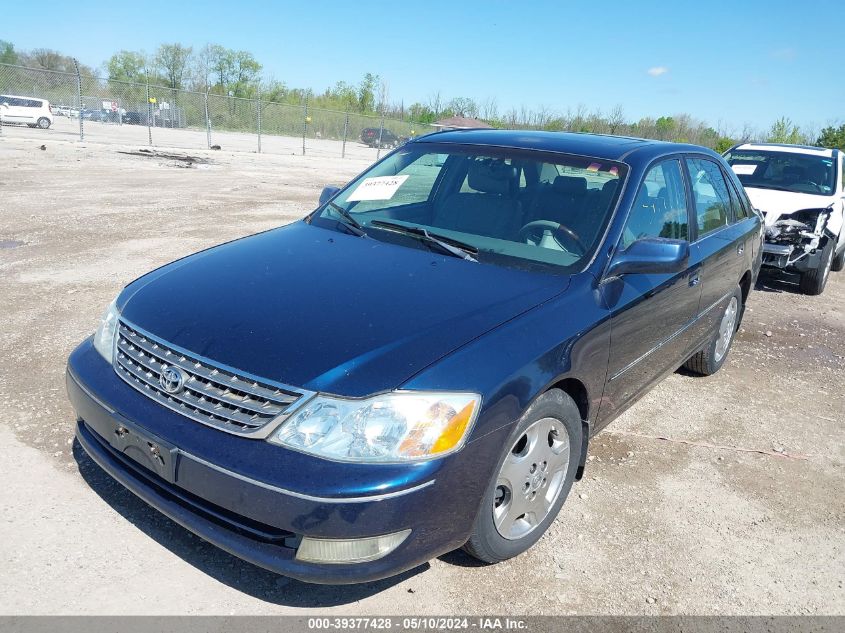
(43, 123)
(532, 480)
(813, 281)
(709, 360)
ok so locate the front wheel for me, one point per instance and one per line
(43, 123)
(532, 479)
(709, 360)
(813, 281)
(838, 261)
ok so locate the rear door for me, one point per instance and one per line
(650, 314)
(14, 112)
(31, 110)
(720, 239)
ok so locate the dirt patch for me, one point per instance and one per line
(180, 160)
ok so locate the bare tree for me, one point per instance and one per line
(616, 119)
(489, 109)
(435, 104)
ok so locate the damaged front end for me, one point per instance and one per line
(795, 240)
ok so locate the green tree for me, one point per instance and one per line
(784, 131)
(234, 72)
(723, 144)
(832, 137)
(665, 126)
(367, 92)
(7, 53)
(172, 61)
(127, 66)
(341, 96)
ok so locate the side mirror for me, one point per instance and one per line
(651, 256)
(327, 194)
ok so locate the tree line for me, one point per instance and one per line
(218, 70)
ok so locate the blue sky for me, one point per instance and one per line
(725, 62)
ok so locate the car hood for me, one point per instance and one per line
(327, 311)
(775, 203)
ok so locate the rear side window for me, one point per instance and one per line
(710, 193)
(660, 209)
(739, 210)
(32, 103)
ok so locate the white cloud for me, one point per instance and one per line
(656, 71)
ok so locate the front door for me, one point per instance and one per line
(650, 314)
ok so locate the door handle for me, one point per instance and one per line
(694, 279)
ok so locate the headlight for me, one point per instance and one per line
(106, 333)
(394, 427)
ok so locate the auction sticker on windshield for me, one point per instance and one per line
(744, 169)
(377, 188)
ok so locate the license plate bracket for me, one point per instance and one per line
(143, 448)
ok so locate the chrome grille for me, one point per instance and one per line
(210, 394)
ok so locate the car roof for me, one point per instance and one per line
(608, 147)
(786, 147)
(5, 94)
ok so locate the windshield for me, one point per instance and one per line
(784, 171)
(512, 208)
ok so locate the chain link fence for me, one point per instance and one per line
(94, 109)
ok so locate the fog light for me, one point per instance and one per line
(355, 550)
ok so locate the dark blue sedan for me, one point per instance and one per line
(419, 364)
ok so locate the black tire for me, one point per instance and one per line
(813, 281)
(43, 123)
(485, 542)
(838, 261)
(709, 360)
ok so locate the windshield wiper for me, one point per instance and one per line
(446, 244)
(348, 221)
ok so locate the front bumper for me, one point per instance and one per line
(791, 257)
(257, 500)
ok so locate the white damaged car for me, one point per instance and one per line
(799, 190)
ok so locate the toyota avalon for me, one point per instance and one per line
(420, 364)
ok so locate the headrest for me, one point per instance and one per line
(609, 188)
(570, 184)
(793, 170)
(491, 176)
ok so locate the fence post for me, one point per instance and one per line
(259, 120)
(79, 99)
(207, 119)
(380, 133)
(304, 123)
(345, 133)
(149, 110)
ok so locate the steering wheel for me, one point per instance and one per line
(538, 228)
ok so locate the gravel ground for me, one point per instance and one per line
(720, 495)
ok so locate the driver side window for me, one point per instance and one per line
(660, 209)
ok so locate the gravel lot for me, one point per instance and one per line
(720, 495)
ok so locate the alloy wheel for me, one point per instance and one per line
(531, 478)
(726, 329)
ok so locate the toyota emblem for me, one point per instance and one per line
(172, 380)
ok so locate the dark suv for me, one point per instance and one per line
(419, 364)
(370, 136)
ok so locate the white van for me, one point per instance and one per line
(30, 110)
